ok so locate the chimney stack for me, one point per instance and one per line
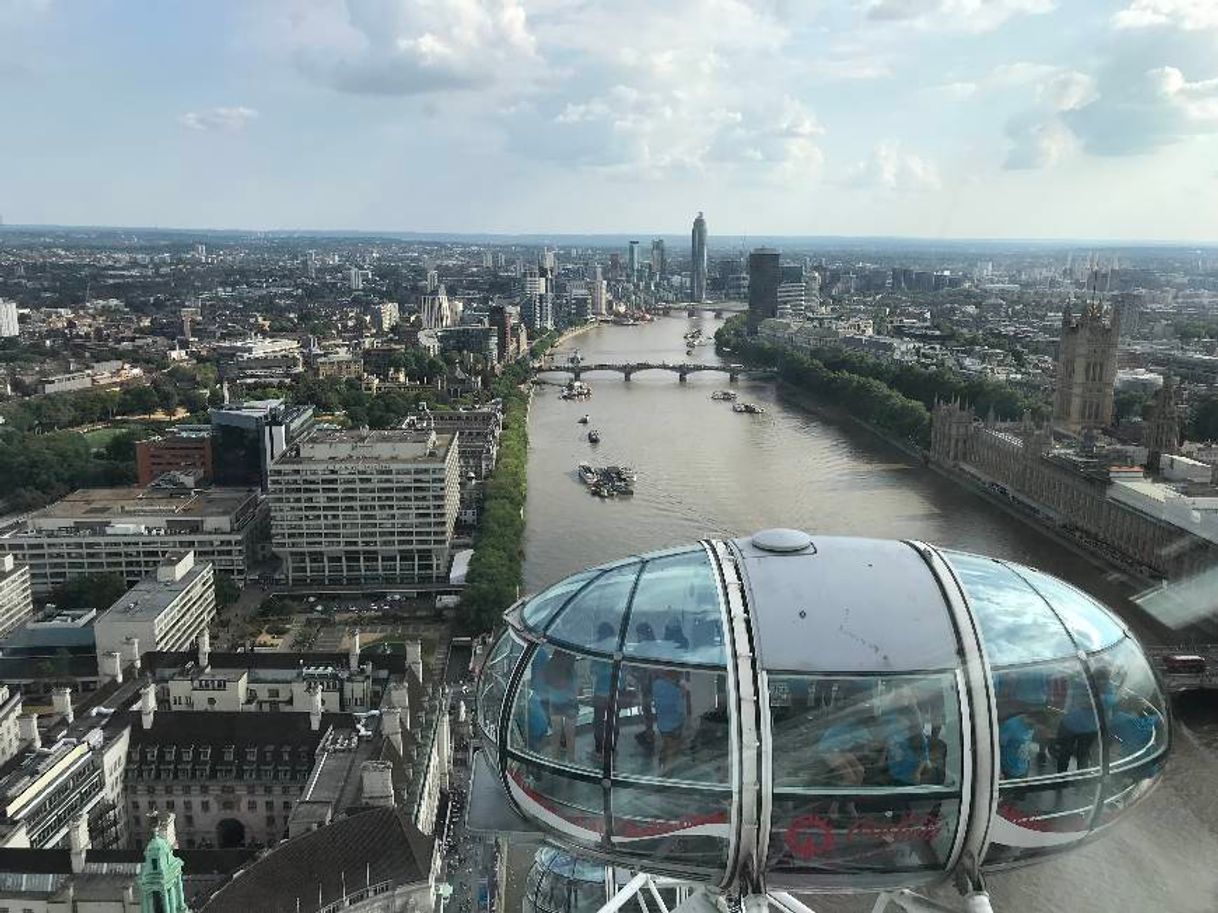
(110, 667)
(353, 652)
(376, 782)
(414, 658)
(78, 841)
(27, 730)
(61, 699)
(131, 652)
(315, 707)
(204, 649)
(391, 726)
(147, 704)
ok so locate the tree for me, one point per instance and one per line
(227, 591)
(1203, 422)
(1129, 404)
(89, 591)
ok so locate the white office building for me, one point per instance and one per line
(15, 598)
(166, 610)
(363, 507)
(8, 319)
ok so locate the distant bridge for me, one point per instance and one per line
(627, 370)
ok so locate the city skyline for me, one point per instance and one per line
(928, 119)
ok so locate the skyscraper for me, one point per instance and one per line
(1086, 368)
(698, 252)
(764, 279)
(659, 260)
(633, 261)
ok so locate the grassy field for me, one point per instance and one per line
(100, 437)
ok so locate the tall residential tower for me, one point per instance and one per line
(698, 252)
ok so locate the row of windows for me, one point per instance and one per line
(188, 789)
(205, 805)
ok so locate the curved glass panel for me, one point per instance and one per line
(560, 883)
(493, 681)
(679, 828)
(560, 711)
(1017, 626)
(562, 803)
(1092, 626)
(1126, 788)
(675, 614)
(593, 619)
(850, 834)
(538, 611)
(1047, 721)
(1133, 704)
(865, 731)
(672, 724)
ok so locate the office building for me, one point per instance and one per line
(127, 531)
(500, 318)
(436, 311)
(1086, 369)
(10, 728)
(366, 507)
(477, 433)
(764, 278)
(385, 316)
(8, 319)
(15, 595)
(791, 292)
(186, 448)
(479, 340)
(248, 437)
(355, 279)
(598, 291)
(259, 359)
(632, 261)
(166, 610)
(698, 254)
(659, 260)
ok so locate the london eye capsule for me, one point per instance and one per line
(788, 712)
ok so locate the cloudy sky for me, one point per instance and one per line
(931, 118)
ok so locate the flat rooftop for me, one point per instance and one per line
(150, 597)
(101, 504)
(390, 445)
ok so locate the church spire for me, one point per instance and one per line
(160, 881)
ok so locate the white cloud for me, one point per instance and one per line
(963, 15)
(405, 47)
(890, 167)
(218, 118)
(1037, 142)
(1190, 15)
(1196, 101)
(956, 91)
(1068, 90)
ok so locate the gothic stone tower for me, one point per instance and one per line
(1163, 429)
(160, 879)
(1086, 369)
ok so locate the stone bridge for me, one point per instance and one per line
(627, 370)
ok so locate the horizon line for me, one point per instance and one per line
(407, 234)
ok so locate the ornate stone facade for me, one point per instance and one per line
(1014, 461)
(1086, 369)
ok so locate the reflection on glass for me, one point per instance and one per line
(672, 724)
(1046, 719)
(864, 731)
(1017, 626)
(862, 834)
(580, 804)
(676, 614)
(500, 661)
(1064, 807)
(560, 883)
(1091, 625)
(1124, 789)
(593, 618)
(661, 824)
(1133, 704)
(538, 610)
(561, 708)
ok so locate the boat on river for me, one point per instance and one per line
(749, 408)
(587, 474)
(727, 396)
(575, 389)
(594, 436)
(607, 481)
(583, 420)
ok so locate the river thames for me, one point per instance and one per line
(704, 470)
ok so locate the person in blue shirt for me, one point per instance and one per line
(907, 751)
(1016, 746)
(669, 698)
(537, 722)
(559, 678)
(643, 676)
(1132, 730)
(839, 749)
(1076, 731)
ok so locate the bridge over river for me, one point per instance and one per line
(628, 369)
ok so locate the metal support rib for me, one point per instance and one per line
(749, 796)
